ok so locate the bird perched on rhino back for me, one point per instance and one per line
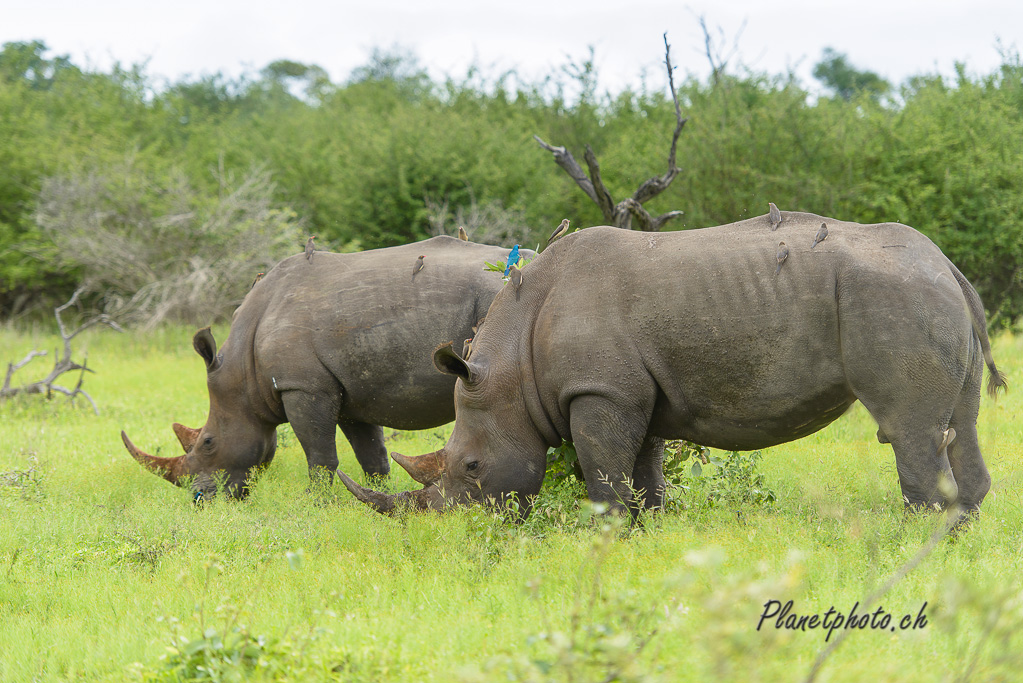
(559, 232)
(822, 235)
(462, 234)
(774, 215)
(783, 253)
(513, 258)
(420, 263)
(310, 248)
(516, 276)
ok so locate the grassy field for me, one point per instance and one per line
(108, 573)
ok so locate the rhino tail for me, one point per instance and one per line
(996, 379)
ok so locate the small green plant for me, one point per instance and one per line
(556, 507)
(738, 481)
(678, 471)
(233, 652)
(735, 478)
(604, 634)
(25, 484)
(136, 550)
(216, 656)
(224, 654)
(563, 462)
(499, 266)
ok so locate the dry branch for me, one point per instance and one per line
(62, 364)
(623, 213)
(152, 247)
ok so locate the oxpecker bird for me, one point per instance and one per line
(310, 248)
(466, 349)
(418, 267)
(774, 215)
(462, 234)
(259, 276)
(558, 232)
(516, 276)
(783, 253)
(513, 258)
(822, 235)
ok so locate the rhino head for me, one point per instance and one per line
(495, 455)
(233, 442)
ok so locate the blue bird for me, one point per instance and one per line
(513, 258)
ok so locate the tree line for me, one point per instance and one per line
(169, 197)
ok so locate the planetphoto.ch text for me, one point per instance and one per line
(781, 616)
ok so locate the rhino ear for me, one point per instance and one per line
(206, 346)
(450, 363)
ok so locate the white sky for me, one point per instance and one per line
(895, 38)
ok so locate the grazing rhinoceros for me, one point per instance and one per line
(617, 340)
(342, 339)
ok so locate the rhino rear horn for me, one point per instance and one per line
(426, 469)
(168, 468)
(186, 435)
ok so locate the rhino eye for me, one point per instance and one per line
(207, 441)
(472, 465)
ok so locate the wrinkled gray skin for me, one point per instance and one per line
(341, 340)
(618, 340)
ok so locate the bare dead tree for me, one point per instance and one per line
(622, 214)
(62, 364)
(716, 56)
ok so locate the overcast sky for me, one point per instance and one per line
(895, 38)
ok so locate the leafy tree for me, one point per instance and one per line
(25, 62)
(836, 73)
(389, 156)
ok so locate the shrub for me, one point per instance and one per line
(152, 248)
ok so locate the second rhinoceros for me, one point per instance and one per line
(617, 340)
(340, 340)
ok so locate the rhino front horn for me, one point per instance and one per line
(426, 469)
(168, 468)
(426, 498)
(381, 502)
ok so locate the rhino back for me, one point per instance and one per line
(360, 324)
(729, 353)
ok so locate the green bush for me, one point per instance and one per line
(373, 161)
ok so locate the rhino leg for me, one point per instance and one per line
(915, 387)
(968, 467)
(914, 424)
(608, 442)
(314, 419)
(964, 456)
(921, 464)
(648, 474)
(368, 443)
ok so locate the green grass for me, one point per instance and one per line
(108, 573)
